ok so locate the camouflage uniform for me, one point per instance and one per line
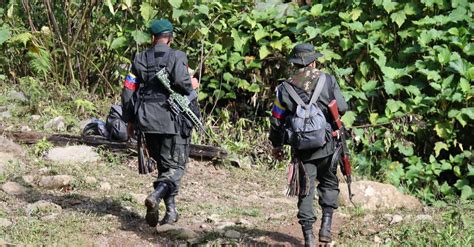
(317, 162)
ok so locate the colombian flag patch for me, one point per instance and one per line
(131, 82)
(278, 110)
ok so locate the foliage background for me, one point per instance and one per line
(405, 67)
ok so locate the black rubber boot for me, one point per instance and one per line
(325, 231)
(308, 237)
(152, 203)
(171, 215)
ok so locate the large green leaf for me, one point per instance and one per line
(466, 193)
(118, 42)
(147, 12)
(316, 10)
(332, 32)
(260, 34)
(140, 37)
(264, 52)
(175, 3)
(391, 87)
(369, 86)
(348, 118)
(4, 35)
(110, 5)
(312, 31)
(203, 9)
(389, 6)
(398, 17)
(440, 146)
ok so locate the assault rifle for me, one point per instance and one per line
(145, 163)
(342, 152)
(178, 103)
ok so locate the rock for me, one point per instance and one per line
(243, 222)
(50, 217)
(205, 227)
(368, 218)
(8, 146)
(5, 223)
(19, 96)
(73, 154)
(232, 234)
(377, 196)
(225, 224)
(277, 216)
(139, 198)
(56, 123)
(396, 219)
(378, 240)
(213, 218)
(423, 217)
(44, 170)
(105, 186)
(29, 180)
(35, 118)
(55, 182)
(5, 115)
(90, 180)
(176, 232)
(43, 207)
(25, 128)
(387, 217)
(13, 188)
(241, 162)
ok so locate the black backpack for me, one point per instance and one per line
(306, 128)
(116, 127)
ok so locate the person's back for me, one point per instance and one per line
(316, 161)
(146, 107)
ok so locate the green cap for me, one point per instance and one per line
(160, 26)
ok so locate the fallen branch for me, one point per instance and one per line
(196, 151)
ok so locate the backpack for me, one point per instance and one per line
(306, 128)
(95, 127)
(114, 124)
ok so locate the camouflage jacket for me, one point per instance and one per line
(304, 82)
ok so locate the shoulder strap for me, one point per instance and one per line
(293, 94)
(151, 59)
(319, 88)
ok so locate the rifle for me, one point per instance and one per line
(343, 156)
(145, 163)
(178, 103)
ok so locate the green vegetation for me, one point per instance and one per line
(405, 66)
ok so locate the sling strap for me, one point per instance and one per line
(314, 97)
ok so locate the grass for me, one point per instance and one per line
(452, 224)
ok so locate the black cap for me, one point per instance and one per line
(304, 54)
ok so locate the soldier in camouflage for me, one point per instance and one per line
(317, 162)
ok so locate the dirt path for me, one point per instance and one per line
(213, 201)
(212, 197)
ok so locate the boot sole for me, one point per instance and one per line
(152, 213)
(325, 239)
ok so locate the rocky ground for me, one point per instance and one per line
(78, 195)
